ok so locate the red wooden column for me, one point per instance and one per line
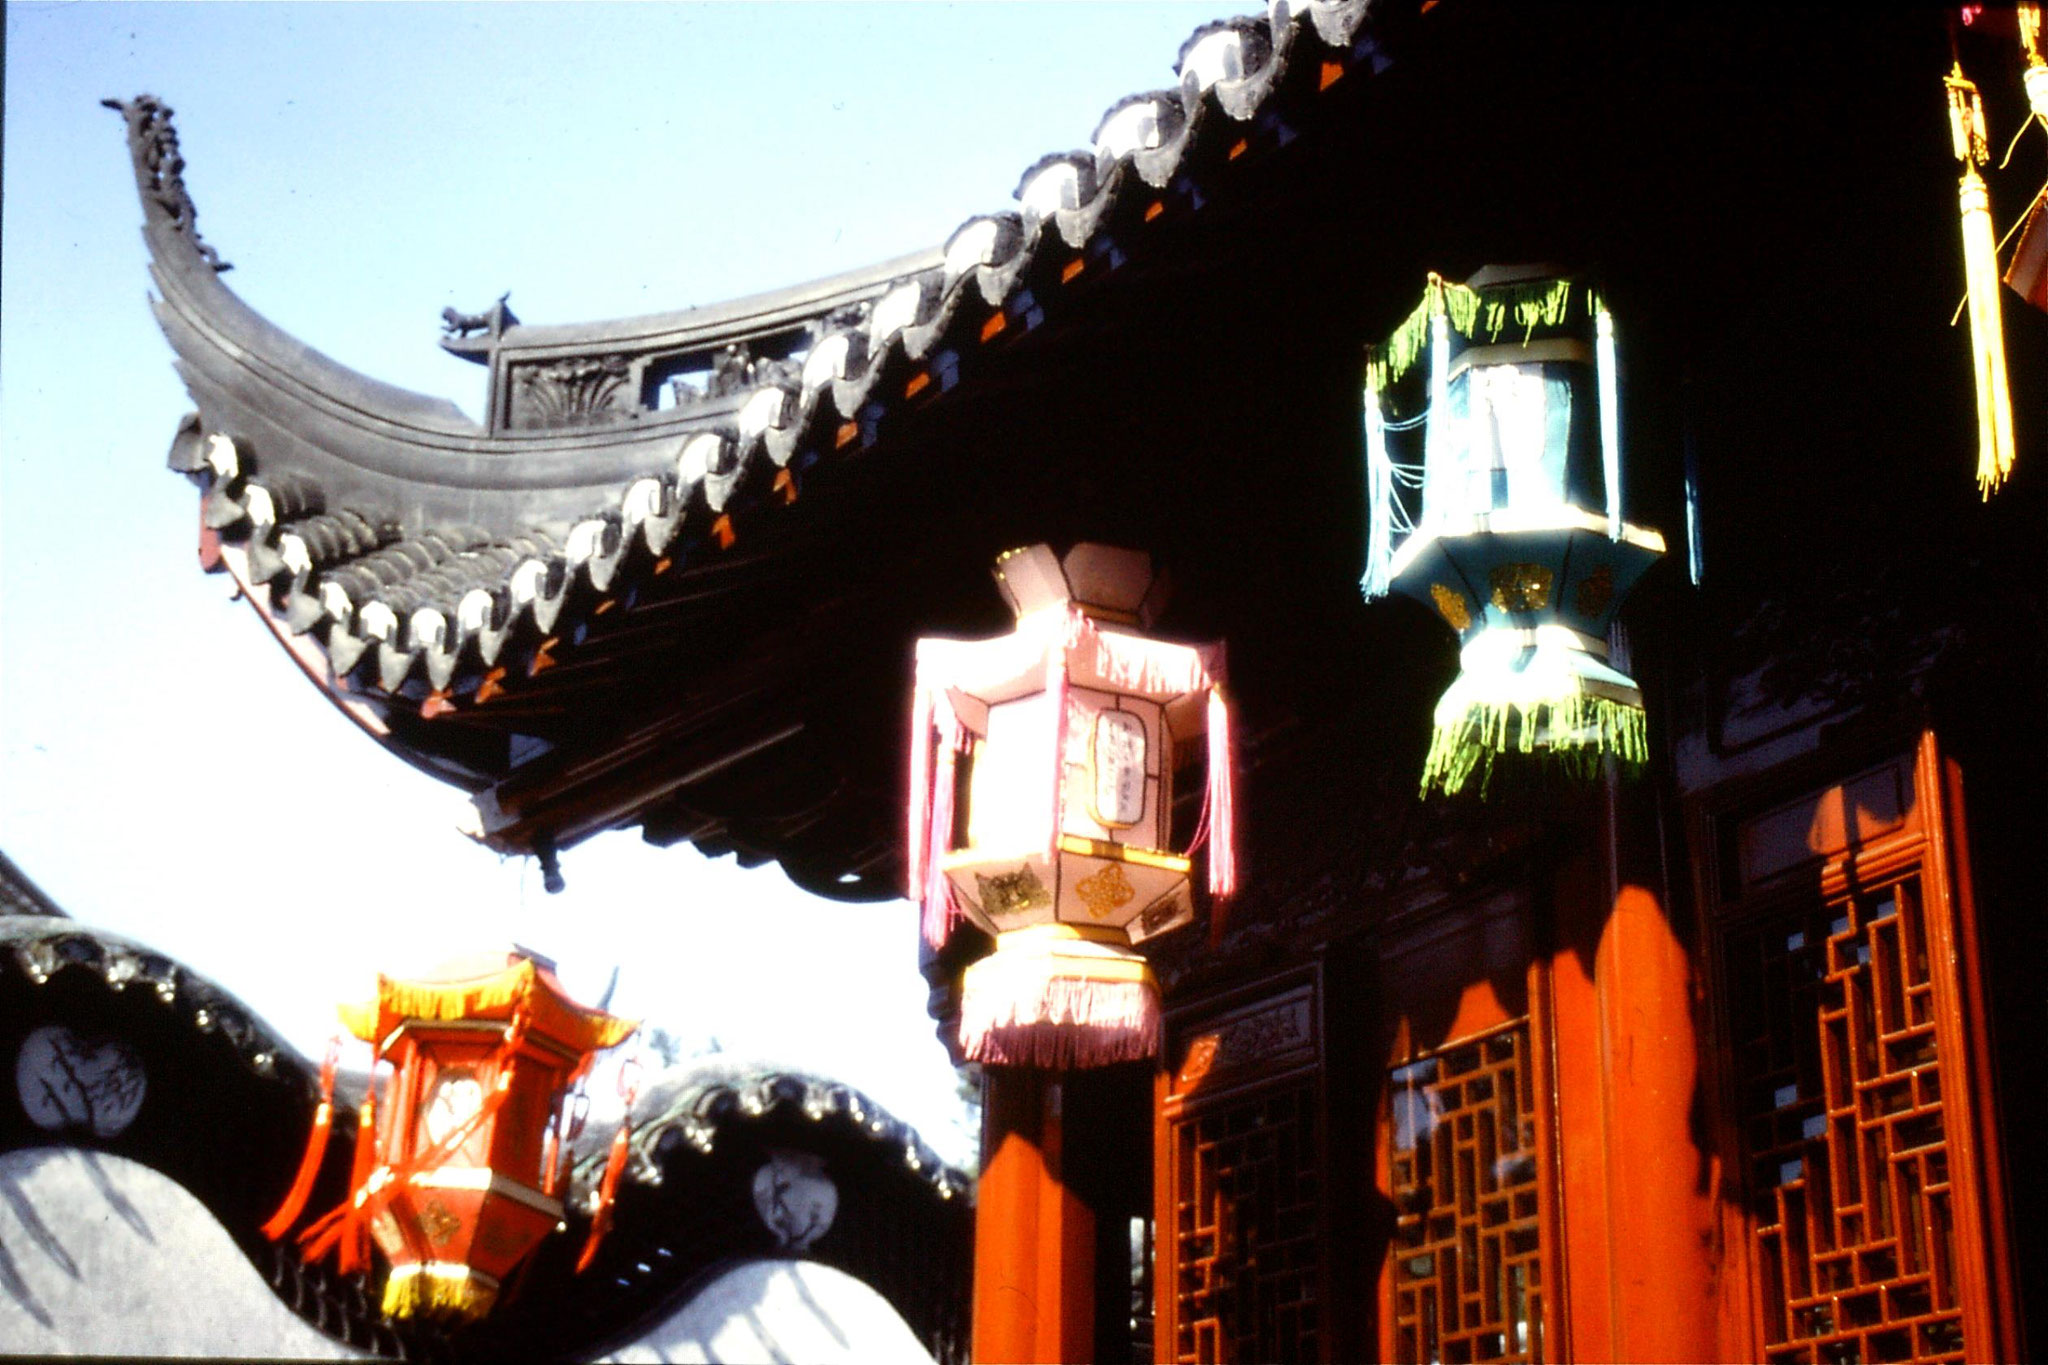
(1034, 1235)
(1637, 1174)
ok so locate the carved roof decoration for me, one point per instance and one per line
(419, 565)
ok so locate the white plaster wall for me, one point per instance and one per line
(100, 1255)
(772, 1312)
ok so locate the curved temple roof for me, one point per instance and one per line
(448, 584)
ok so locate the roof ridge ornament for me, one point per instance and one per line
(160, 170)
(474, 336)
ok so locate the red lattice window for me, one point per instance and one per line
(1467, 1255)
(1247, 1257)
(1833, 1015)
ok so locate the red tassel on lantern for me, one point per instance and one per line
(316, 1149)
(614, 1166)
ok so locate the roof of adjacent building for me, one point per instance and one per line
(225, 1104)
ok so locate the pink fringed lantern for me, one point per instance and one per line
(1041, 801)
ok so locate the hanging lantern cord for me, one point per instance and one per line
(551, 879)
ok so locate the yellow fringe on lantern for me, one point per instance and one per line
(1980, 276)
(438, 1289)
(1573, 732)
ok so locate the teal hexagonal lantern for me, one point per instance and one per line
(1494, 476)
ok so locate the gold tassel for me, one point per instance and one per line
(438, 1289)
(1980, 274)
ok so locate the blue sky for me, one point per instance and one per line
(164, 770)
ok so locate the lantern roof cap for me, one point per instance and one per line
(1105, 582)
(1519, 273)
(489, 986)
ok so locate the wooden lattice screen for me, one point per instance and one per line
(1467, 1266)
(1841, 1078)
(1242, 1230)
(1247, 1262)
(1870, 1223)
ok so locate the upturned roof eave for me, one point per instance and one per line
(487, 556)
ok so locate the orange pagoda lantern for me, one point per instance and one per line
(1041, 803)
(459, 1166)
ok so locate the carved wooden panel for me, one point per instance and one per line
(1830, 821)
(1841, 1077)
(1468, 1241)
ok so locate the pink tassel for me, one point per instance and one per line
(1056, 689)
(920, 787)
(930, 833)
(1065, 1022)
(1221, 813)
(940, 913)
(1135, 664)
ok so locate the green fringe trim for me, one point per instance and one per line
(1595, 727)
(1541, 303)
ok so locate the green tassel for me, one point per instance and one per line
(1590, 728)
(1541, 303)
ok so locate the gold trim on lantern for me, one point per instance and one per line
(438, 1287)
(1122, 963)
(484, 1178)
(492, 1026)
(1123, 853)
(1551, 518)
